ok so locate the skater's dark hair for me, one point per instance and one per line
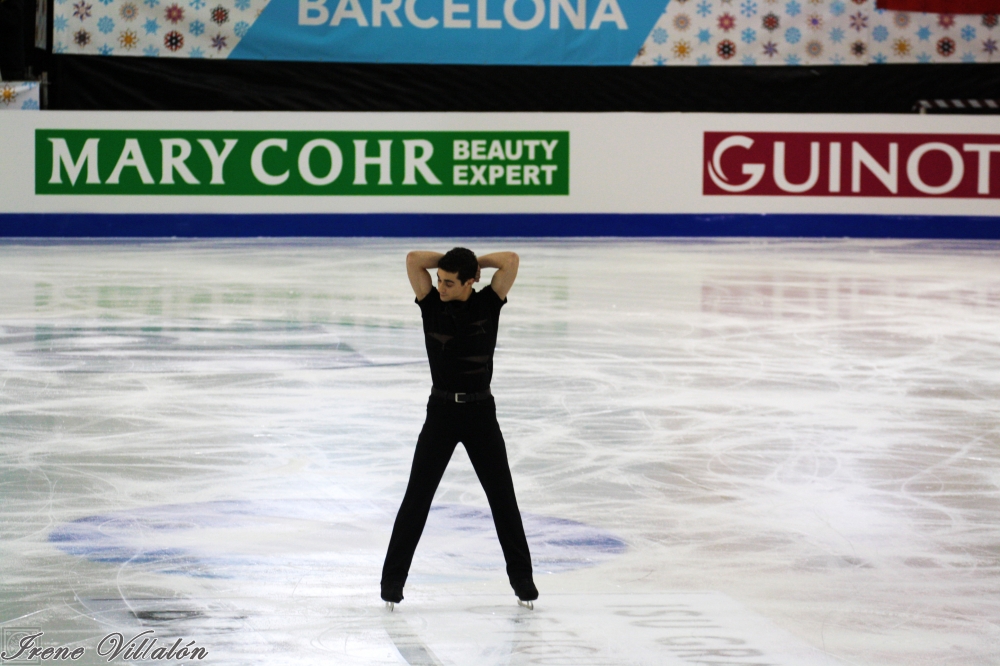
(461, 261)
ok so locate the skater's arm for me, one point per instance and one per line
(506, 264)
(418, 262)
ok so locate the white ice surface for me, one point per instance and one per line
(727, 452)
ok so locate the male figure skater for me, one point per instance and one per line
(460, 331)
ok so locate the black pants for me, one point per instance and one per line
(475, 425)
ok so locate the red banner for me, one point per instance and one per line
(851, 165)
(942, 6)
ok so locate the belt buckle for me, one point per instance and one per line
(459, 401)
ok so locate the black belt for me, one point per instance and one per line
(448, 396)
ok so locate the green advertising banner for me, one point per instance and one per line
(165, 162)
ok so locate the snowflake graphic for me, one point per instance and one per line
(990, 20)
(128, 11)
(7, 94)
(196, 28)
(924, 58)
(105, 50)
(792, 60)
(60, 48)
(151, 52)
(81, 10)
(880, 33)
(682, 22)
(726, 49)
(30, 105)
(219, 42)
(703, 61)
(749, 36)
(837, 35)
(704, 8)
(814, 49)
(151, 3)
(968, 33)
(924, 33)
(946, 46)
(836, 59)
(81, 37)
(660, 36)
(815, 21)
(196, 4)
(859, 48)
(837, 7)
(659, 61)
(128, 40)
(968, 57)
(60, 23)
(682, 49)
(793, 8)
(151, 26)
(105, 2)
(771, 22)
(946, 20)
(770, 49)
(990, 46)
(174, 13)
(901, 47)
(173, 41)
(241, 28)
(106, 25)
(748, 8)
(196, 53)
(879, 59)
(901, 19)
(727, 22)
(704, 36)
(220, 15)
(793, 35)
(748, 61)
(242, 5)
(859, 21)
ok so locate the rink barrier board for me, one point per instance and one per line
(102, 225)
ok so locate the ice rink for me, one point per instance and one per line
(727, 453)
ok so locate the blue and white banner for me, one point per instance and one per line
(525, 32)
(19, 96)
(536, 32)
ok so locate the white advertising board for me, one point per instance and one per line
(226, 163)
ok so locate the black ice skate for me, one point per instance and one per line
(392, 594)
(526, 592)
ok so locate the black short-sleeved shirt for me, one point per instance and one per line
(460, 338)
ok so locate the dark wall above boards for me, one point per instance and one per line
(101, 83)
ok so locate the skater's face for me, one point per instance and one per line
(451, 289)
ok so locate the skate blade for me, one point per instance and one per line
(530, 605)
(391, 606)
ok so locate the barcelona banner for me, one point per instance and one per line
(528, 32)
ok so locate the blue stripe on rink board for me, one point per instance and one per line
(91, 225)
